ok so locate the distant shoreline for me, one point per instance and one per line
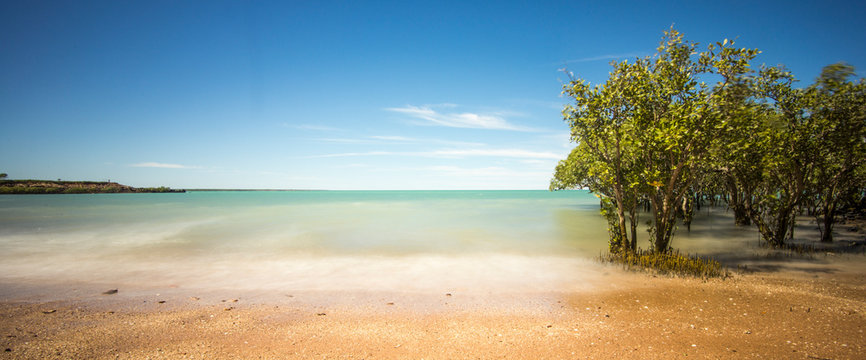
(256, 190)
(37, 187)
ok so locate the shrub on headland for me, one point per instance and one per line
(26, 190)
(77, 190)
(161, 189)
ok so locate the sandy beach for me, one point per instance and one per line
(813, 309)
(432, 180)
(225, 283)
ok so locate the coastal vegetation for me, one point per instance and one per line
(666, 133)
(669, 262)
(74, 187)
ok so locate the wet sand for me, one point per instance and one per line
(809, 309)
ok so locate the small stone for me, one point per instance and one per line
(390, 303)
(747, 332)
(448, 294)
(8, 350)
(194, 298)
(321, 314)
(229, 308)
(161, 301)
(49, 311)
(110, 292)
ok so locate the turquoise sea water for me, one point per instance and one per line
(302, 239)
(417, 241)
(302, 222)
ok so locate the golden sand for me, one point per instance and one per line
(808, 312)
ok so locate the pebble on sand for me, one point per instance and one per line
(110, 292)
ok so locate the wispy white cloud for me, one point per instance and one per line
(429, 116)
(373, 140)
(505, 153)
(387, 139)
(544, 162)
(163, 165)
(455, 153)
(353, 154)
(349, 140)
(312, 127)
(606, 57)
(482, 172)
(563, 138)
(357, 166)
(395, 138)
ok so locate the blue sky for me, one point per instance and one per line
(344, 95)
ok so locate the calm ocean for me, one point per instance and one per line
(319, 240)
(301, 239)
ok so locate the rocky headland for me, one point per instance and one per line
(74, 187)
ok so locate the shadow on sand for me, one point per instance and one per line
(805, 256)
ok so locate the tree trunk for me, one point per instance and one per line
(737, 203)
(777, 239)
(829, 219)
(688, 212)
(741, 215)
(664, 225)
(633, 223)
(620, 214)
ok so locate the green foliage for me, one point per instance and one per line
(161, 189)
(812, 142)
(21, 190)
(734, 160)
(772, 177)
(644, 134)
(657, 134)
(838, 110)
(77, 190)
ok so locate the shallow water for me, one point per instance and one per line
(320, 240)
